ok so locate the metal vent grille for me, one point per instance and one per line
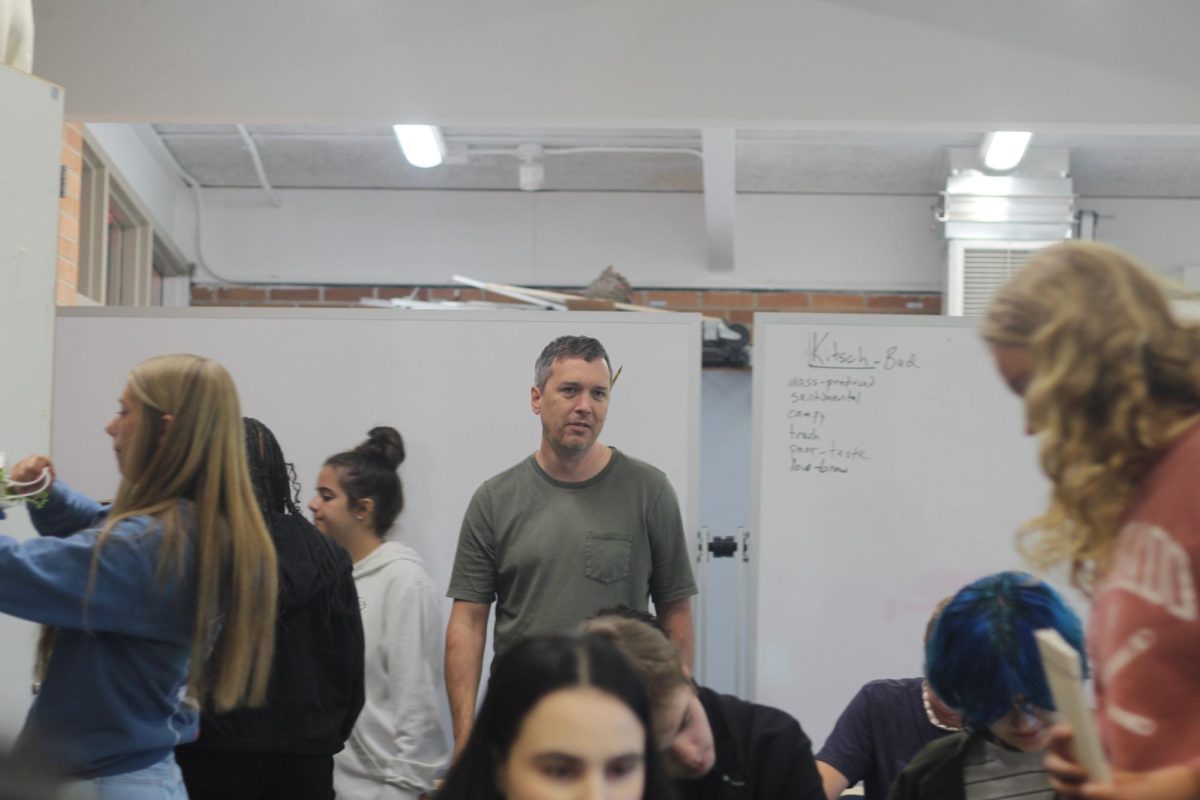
(978, 269)
(985, 271)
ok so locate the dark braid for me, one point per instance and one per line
(273, 478)
(278, 494)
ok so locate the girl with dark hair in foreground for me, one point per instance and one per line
(565, 716)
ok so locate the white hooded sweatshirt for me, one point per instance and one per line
(398, 744)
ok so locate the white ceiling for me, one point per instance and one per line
(827, 162)
(1116, 65)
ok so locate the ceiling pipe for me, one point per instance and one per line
(258, 165)
(567, 151)
(532, 171)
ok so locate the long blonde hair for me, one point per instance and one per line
(201, 457)
(1116, 378)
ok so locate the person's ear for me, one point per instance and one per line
(535, 400)
(365, 509)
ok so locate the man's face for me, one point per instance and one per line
(685, 737)
(573, 405)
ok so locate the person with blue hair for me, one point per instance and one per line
(983, 661)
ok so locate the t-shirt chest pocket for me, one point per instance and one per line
(607, 555)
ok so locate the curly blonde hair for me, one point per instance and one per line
(1116, 379)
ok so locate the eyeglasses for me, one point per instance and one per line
(1026, 706)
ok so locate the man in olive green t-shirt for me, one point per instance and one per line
(576, 527)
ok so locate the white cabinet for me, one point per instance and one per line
(31, 116)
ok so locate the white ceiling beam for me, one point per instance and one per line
(720, 195)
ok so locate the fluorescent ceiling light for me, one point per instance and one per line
(1003, 150)
(423, 145)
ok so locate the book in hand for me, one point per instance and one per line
(1064, 673)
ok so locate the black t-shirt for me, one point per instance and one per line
(761, 753)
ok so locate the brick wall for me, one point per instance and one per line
(734, 306)
(65, 288)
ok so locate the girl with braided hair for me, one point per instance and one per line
(284, 750)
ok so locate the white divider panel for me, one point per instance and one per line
(455, 384)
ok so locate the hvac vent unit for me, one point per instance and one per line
(978, 268)
(1035, 202)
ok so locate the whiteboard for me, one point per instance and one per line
(890, 469)
(455, 384)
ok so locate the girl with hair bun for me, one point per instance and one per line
(398, 745)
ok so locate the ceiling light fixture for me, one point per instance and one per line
(423, 145)
(1003, 150)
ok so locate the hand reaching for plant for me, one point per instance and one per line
(29, 479)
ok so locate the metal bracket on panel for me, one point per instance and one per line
(723, 546)
(731, 546)
(1086, 222)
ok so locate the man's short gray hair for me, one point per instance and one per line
(584, 347)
